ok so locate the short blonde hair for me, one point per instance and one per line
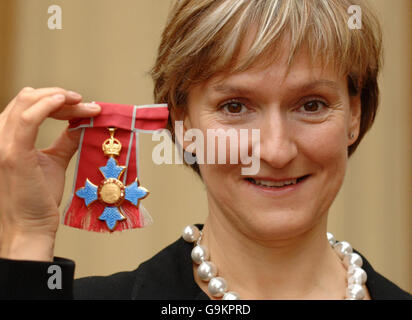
(203, 37)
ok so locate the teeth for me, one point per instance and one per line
(267, 183)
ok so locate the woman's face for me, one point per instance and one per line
(305, 119)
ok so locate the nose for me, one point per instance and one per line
(277, 141)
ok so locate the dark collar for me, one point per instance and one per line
(169, 275)
(379, 287)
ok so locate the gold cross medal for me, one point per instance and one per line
(106, 194)
(111, 192)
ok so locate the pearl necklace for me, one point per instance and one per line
(217, 286)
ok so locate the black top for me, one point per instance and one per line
(167, 275)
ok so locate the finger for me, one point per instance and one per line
(80, 110)
(64, 147)
(28, 97)
(72, 97)
(6, 110)
(30, 120)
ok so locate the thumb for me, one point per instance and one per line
(64, 147)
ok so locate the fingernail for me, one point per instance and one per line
(58, 97)
(74, 95)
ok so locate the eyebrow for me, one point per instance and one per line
(229, 89)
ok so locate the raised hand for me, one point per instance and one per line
(32, 181)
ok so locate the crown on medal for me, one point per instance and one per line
(112, 146)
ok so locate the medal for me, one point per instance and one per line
(112, 192)
(107, 193)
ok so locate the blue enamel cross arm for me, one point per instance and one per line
(88, 193)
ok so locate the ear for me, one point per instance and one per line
(354, 118)
(180, 114)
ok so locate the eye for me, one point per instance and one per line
(233, 108)
(313, 106)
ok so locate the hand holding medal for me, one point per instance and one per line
(32, 181)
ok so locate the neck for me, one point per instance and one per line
(302, 267)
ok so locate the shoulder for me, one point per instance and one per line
(381, 288)
(116, 286)
(167, 275)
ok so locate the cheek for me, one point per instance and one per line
(220, 174)
(222, 144)
(325, 148)
(325, 143)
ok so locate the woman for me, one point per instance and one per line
(294, 70)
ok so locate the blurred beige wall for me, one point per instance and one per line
(105, 50)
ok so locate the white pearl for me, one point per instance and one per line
(352, 269)
(355, 291)
(191, 233)
(206, 270)
(231, 295)
(331, 238)
(352, 259)
(199, 254)
(342, 248)
(217, 286)
(357, 277)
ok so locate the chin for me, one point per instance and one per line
(278, 224)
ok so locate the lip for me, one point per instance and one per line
(277, 192)
(275, 180)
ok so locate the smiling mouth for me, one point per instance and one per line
(276, 184)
